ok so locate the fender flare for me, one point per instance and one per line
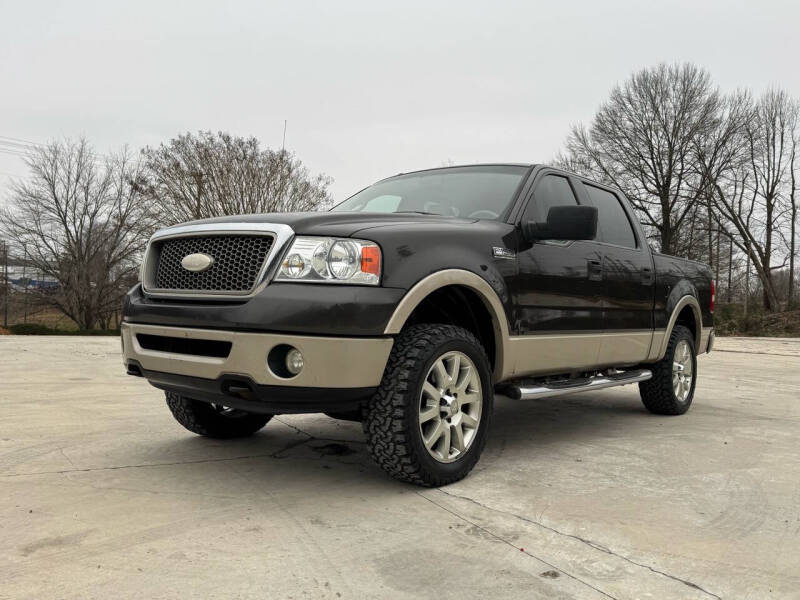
(682, 303)
(423, 288)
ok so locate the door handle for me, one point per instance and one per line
(647, 276)
(595, 270)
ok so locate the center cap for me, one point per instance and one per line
(450, 405)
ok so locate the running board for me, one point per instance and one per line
(546, 390)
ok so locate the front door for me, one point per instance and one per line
(559, 318)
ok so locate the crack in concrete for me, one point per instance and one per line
(752, 352)
(590, 543)
(290, 426)
(509, 543)
(313, 437)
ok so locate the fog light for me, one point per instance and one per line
(294, 361)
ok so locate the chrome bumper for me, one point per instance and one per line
(329, 362)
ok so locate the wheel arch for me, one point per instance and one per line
(685, 312)
(476, 288)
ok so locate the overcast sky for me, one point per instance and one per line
(368, 88)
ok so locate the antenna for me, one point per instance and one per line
(283, 145)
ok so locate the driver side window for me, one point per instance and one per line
(552, 190)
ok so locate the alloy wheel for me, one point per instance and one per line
(682, 371)
(450, 406)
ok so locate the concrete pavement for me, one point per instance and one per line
(588, 496)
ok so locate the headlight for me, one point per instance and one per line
(331, 260)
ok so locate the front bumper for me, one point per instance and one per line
(333, 365)
(292, 308)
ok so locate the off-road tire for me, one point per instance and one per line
(391, 418)
(657, 393)
(204, 419)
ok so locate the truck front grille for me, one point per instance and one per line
(238, 260)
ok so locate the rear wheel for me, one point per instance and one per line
(214, 420)
(671, 390)
(428, 422)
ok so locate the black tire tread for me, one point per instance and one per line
(200, 418)
(385, 417)
(656, 393)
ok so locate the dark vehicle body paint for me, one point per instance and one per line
(544, 287)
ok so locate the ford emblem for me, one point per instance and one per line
(197, 263)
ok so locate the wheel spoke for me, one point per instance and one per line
(469, 398)
(458, 437)
(435, 435)
(468, 420)
(431, 391)
(446, 443)
(465, 379)
(428, 413)
(440, 374)
(455, 368)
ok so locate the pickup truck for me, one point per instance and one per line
(409, 305)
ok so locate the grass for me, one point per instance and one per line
(729, 319)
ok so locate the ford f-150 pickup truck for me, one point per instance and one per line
(410, 304)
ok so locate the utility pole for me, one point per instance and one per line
(25, 291)
(730, 267)
(5, 281)
(747, 282)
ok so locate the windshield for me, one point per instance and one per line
(481, 192)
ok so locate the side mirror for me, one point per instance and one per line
(564, 223)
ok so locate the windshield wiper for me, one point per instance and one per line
(418, 212)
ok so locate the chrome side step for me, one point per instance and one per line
(599, 382)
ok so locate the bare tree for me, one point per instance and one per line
(793, 201)
(772, 137)
(208, 175)
(83, 223)
(755, 189)
(643, 140)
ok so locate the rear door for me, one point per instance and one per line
(628, 275)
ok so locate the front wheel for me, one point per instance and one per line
(428, 422)
(671, 390)
(214, 420)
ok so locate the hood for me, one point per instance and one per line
(338, 224)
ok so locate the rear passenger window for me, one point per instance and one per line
(613, 226)
(552, 190)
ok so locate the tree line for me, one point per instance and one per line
(713, 176)
(82, 220)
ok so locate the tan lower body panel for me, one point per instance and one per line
(329, 362)
(561, 353)
(705, 334)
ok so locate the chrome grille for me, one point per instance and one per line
(238, 259)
